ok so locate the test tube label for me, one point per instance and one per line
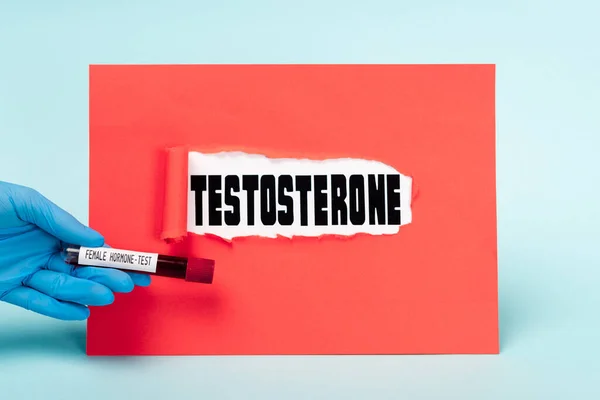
(117, 258)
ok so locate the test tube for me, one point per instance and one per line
(200, 270)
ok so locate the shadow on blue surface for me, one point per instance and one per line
(507, 320)
(515, 313)
(53, 338)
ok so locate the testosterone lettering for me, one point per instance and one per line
(335, 199)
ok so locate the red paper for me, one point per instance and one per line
(431, 288)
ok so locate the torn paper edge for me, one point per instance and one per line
(239, 163)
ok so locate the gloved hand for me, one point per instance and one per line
(33, 274)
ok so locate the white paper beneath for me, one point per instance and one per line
(239, 164)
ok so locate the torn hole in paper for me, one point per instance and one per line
(236, 194)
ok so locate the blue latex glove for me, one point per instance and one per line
(33, 274)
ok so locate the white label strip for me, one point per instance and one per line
(117, 258)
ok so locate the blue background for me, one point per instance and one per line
(548, 93)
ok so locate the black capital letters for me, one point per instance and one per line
(214, 200)
(268, 209)
(232, 184)
(357, 200)
(320, 200)
(339, 210)
(250, 185)
(393, 199)
(377, 199)
(198, 185)
(286, 217)
(303, 185)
